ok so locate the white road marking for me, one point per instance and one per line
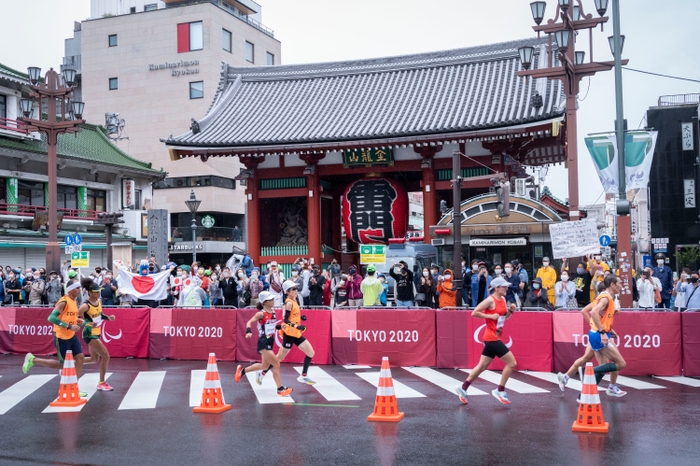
(442, 380)
(353, 366)
(144, 391)
(682, 380)
(196, 386)
(328, 386)
(401, 390)
(634, 383)
(513, 384)
(13, 395)
(88, 384)
(573, 384)
(267, 392)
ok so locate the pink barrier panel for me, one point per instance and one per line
(127, 335)
(691, 343)
(452, 337)
(364, 336)
(318, 323)
(527, 334)
(193, 333)
(650, 342)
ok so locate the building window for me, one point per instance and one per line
(189, 37)
(226, 39)
(112, 38)
(197, 90)
(132, 9)
(113, 83)
(270, 59)
(30, 193)
(97, 200)
(150, 7)
(249, 52)
(193, 181)
(67, 197)
(3, 107)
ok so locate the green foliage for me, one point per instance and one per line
(687, 256)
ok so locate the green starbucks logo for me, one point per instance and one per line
(208, 221)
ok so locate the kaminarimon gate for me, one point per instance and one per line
(327, 140)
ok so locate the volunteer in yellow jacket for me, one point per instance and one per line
(292, 330)
(65, 322)
(548, 275)
(91, 311)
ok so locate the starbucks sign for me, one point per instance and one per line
(208, 221)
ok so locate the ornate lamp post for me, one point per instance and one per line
(54, 91)
(193, 204)
(568, 65)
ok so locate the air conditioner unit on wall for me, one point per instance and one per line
(520, 189)
(438, 242)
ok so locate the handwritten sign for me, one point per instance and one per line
(687, 136)
(689, 193)
(574, 239)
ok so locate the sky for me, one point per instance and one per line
(660, 38)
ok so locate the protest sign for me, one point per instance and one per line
(574, 239)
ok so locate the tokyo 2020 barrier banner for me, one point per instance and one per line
(27, 330)
(650, 342)
(318, 333)
(364, 336)
(181, 333)
(527, 334)
(690, 322)
(452, 338)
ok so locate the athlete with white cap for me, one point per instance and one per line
(495, 310)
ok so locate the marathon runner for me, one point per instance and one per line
(91, 311)
(292, 330)
(600, 313)
(265, 318)
(496, 311)
(65, 322)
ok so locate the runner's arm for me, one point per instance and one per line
(258, 316)
(287, 314)
(53, 318)
(483, 305)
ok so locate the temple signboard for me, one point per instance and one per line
(368, 158)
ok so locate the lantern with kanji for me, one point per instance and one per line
(375, 210)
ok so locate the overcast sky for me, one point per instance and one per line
(660, 37)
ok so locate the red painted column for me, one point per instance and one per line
(624, 259)
(430, 209)
(253, 203)
(313, 217)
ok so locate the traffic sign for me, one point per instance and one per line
(605, 240)
(68, 240)
(80, 259)
(372, 254)
(78, 247)
(69, 249)
(77, 238)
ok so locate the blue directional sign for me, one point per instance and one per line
(605, 240)
(77, 239)
(68, 240)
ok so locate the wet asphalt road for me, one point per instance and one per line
(655, 426)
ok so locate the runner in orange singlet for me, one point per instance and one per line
(495, 310)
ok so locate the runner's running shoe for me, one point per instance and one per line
(614, 390)
(284, 391)
(305, 379)
(562, 378)
(259, 377)
(239, 373)
(104, 387)
(500, 396)
(82, 394)
(461, 393)
(28, 362)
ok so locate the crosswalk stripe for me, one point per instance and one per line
(88, 384)
(682, 380)
(634, 383)
(441, 380)
(144, 391)
(354, 366)
(573, 384)
(401, 390)
(196, 386)
(328, 386)
(513, 384)
(10, 397)
(267, 392)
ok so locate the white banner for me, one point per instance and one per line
(153, 287)
(497, 242)
(574, 239)
(128, 193)
(689, 193)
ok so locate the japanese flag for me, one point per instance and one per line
(152, 287)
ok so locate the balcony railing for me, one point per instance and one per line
(295, 250)
(679, 99)
(184, 234)
(13, 125)
(243, 17)
(30, 210)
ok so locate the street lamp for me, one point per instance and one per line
(193, 204)
(55, 89)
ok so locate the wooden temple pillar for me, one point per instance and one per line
(313, 206)
(253, 208)
(430, 208)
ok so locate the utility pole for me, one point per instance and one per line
(457, 225)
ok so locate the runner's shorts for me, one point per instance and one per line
(595, 341)
(494, 348)
(265, 343)
(288, 341)
(62, 346)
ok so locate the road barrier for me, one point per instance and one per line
(652, 343)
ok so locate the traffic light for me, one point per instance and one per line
(503, 196)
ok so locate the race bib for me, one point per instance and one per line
(501, 322)
(270, 328)
(97, 321)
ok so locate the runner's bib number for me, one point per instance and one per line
(97, 321)
(501, 322)
(270, 328)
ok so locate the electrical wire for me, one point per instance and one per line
(587, 90)
(662, 75)
(476, 161)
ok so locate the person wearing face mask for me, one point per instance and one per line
(385, 289)
(467, 282)
(275, 278)
(109, 289)
(13, 289)
(647, 286)
(353, 285)
(255, 286)
(480, 284)
(403, 279)
(37, 288)
(597, 267)
(665, 275)
(548, 277)
(448, 293)
(216, 294)
(371, 288)
(244, 295)
(564, 290)
(692, 294)
(512, 277)
(316, 284)
(581, 278)
(679, 296)
(428, 288)
(336, 278)
(229, 288)
(537, 297)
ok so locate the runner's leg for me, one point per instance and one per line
(308, 350)
(50, 363)
(269, 359)
(98, 349)
(510, 362)
(587, 356)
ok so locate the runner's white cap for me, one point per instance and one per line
(499, 281)
(265, 296)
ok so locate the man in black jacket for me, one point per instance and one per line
(316, 284)
(229, 287)
(404, 284)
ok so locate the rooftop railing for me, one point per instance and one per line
(30, 210)
(679, 99)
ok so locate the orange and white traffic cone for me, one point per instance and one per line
(385, 407)
(212, 396)
(590, 413)
(68, 393)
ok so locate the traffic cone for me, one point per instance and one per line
(590, 413)
(385, 407)
(212, 396)
(68, 393)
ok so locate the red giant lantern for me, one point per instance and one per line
(375, 210)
